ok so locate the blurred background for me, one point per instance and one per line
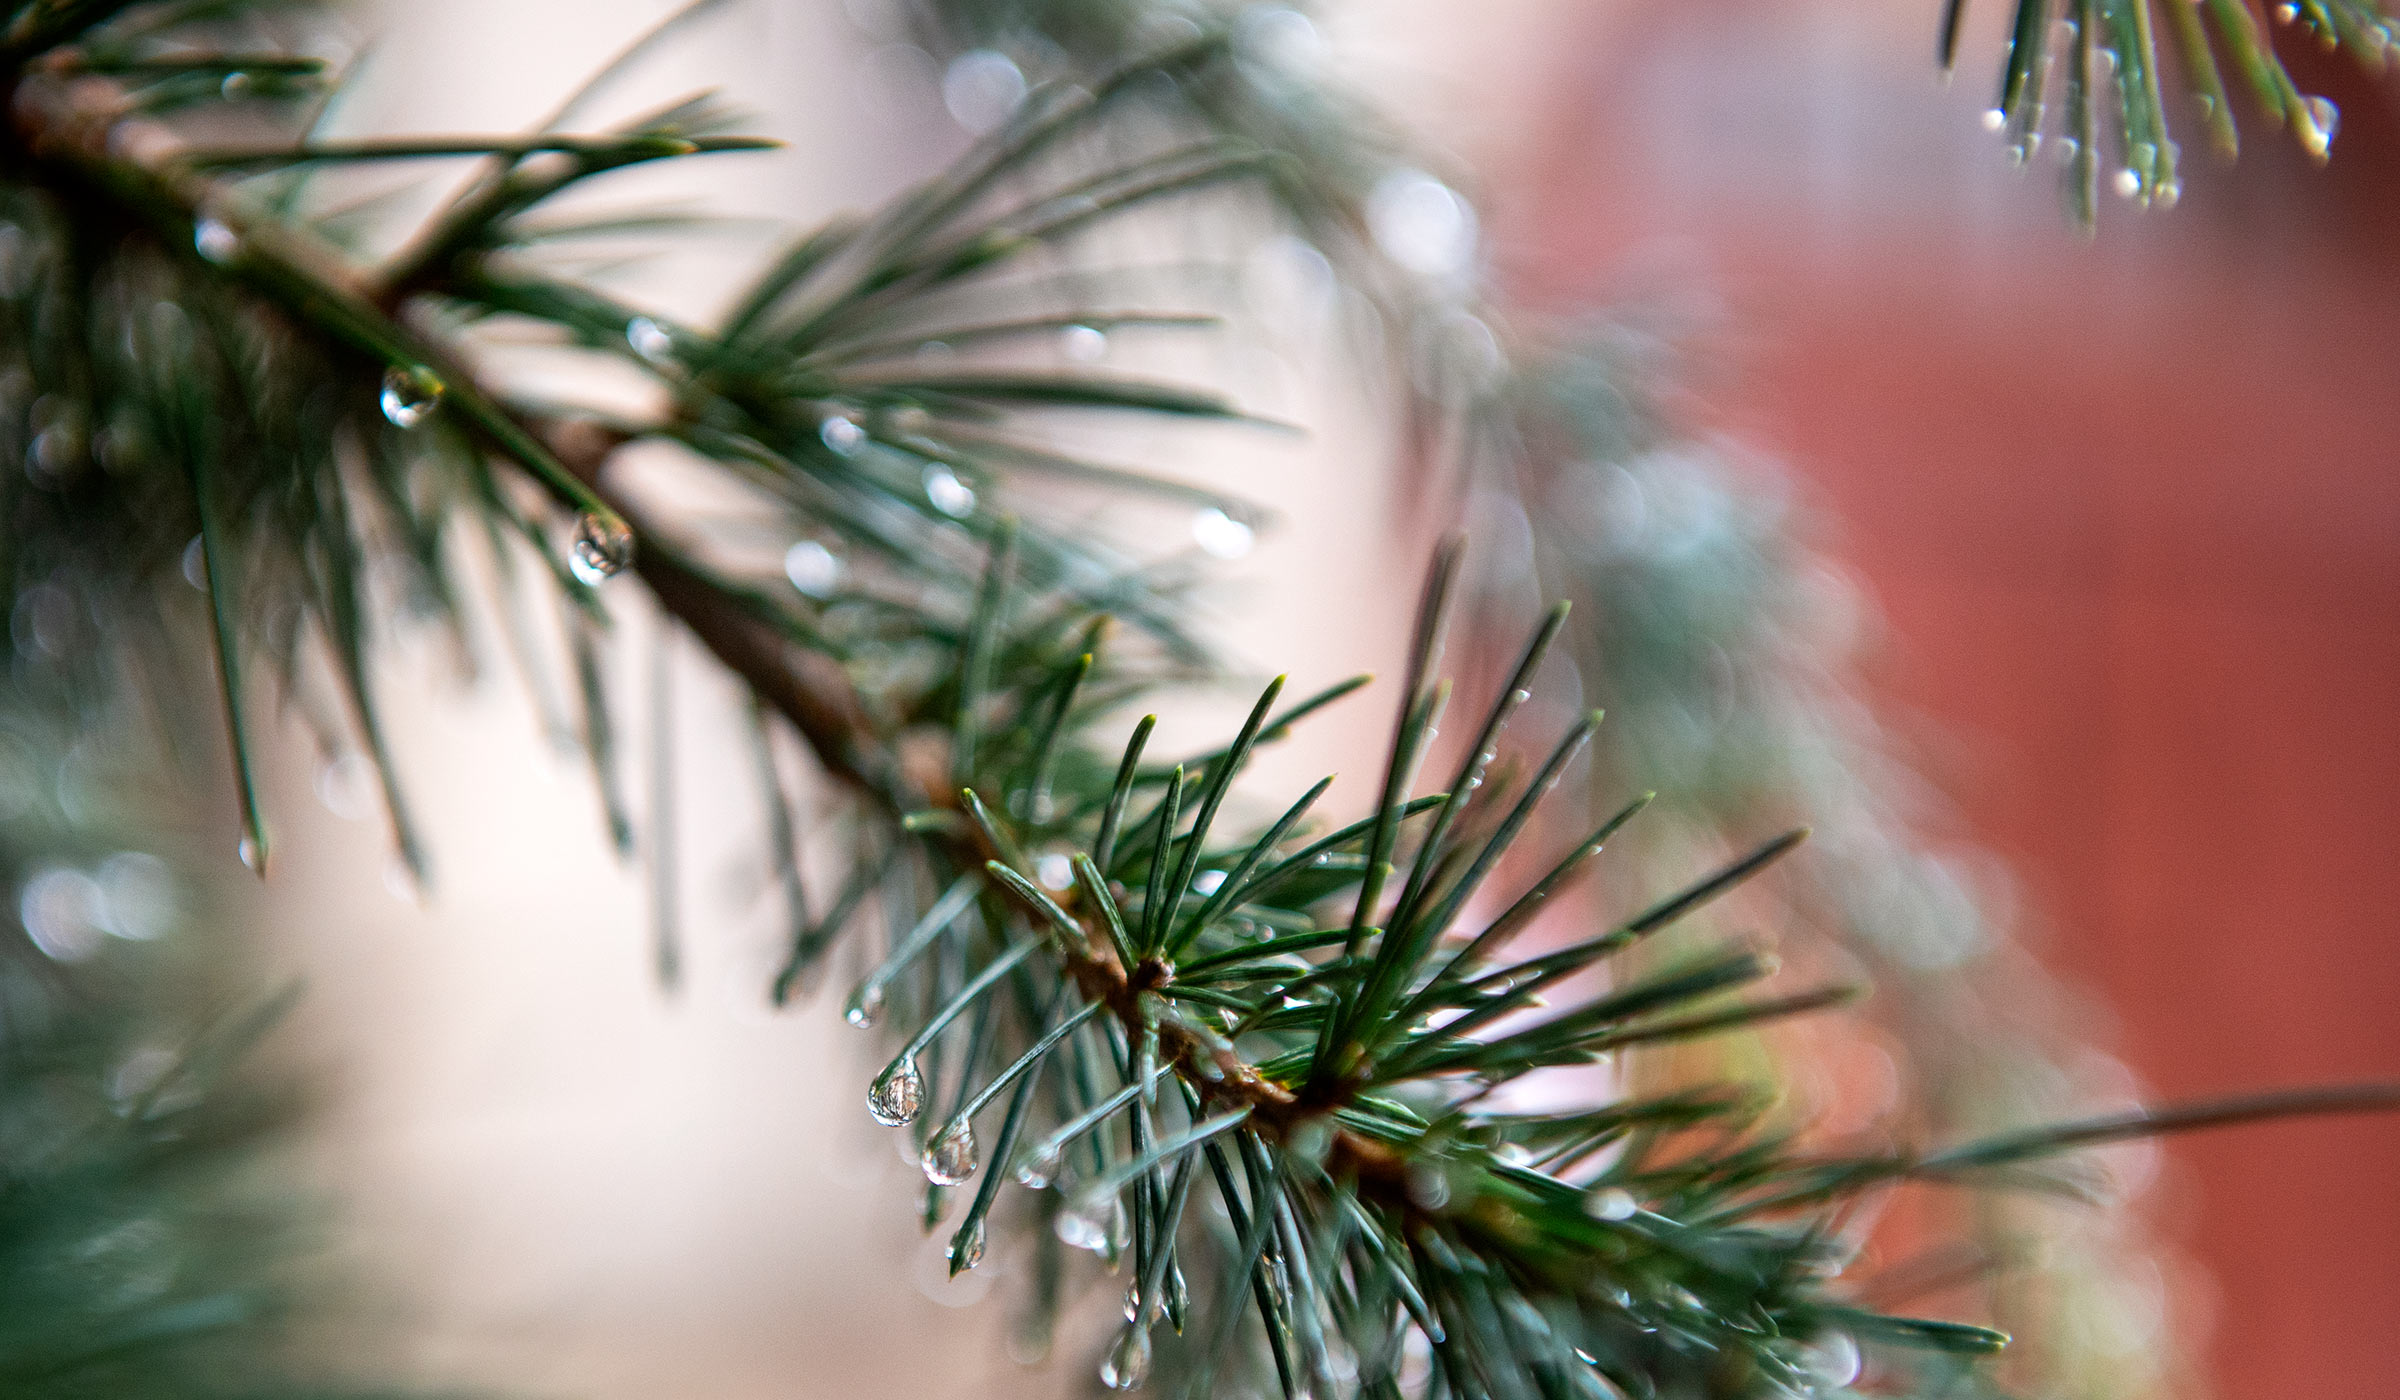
(2127, 509)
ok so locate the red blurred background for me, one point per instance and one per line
(2131, 507)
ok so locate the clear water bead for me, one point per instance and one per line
(841, 435)
(2129, 183)
(215, 240)
(949, 495)
(1221, 535)
(1040, 1168)
(812, 568)
(897, 1093)
(1831, 1359)
(1128, 1362)
(1612, 1203)
(410, 394)
(252, 854)
(650, 340)
(1994, 119)
(865, 1006)
(1084, 344)
(1089, 1224)
(966, 1247)
(1053, 871)
(2285, 14)
(2321, 120)
(952, 1156)
(602, 549)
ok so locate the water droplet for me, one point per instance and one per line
(1208, 882)
(1090, 1224)
(2285, 14)
(812, 568)
(2320, 120)
(1128, 1362)
(346, 785)
(602, 549)
(897, 1093)
(1221, 535)
(2168, 194)
(949, 495)
(62, 912)
(401, 883)
(1995, 119)
(216, 241)
(1054, 871)
(952, 1156)
(1831, 1359)
(1612, 1203)
(1084, 344)
(865, 1006)
(1040, 1167)
(841, 435)
(195, 563)
(2129, 183)
(1133, 1303)
(981, 87)
(137, 896)
(410, 393)
(251, 855)
(2068, 147)
(1422, 224)
(966, 1247)
(650, 340)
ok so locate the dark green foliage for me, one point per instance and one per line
(2099, 60)
(1277, 1075)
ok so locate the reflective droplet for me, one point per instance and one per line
(1133, 1303)
(812, 568)
(952, 1156)
(865, 1006)
(401, 883)
(2168, 194)
(1040, 1168)
(650, 340)
(1612, 1203)
(1422, 224)
(981, 87)
(1994, 119)
(346, 785)
(216, 241)
(62, 913)
(2285, 14)
(195, 563)
(1090, 1224)
(410, 393)
(1831, 1359)
(1084, 344)
(137, 896)
(949, 495)
(841, 435)
(602, 549)
(248, 849)
(966, 1247)
(2129, 183)
(1208, 882)
(2320, 120)
(1128, 1362)
(1053, 871)
(1221, 535)
(897, 1093)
